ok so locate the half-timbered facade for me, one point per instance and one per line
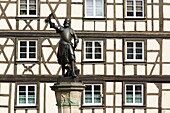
(123, 54)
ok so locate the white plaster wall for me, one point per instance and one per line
(149, 25)
(34, 24)
(98, 111)
(119, 69)
(152, 111)
(119, 44)
(109, 25)
(99, 26)
(119, 11)
(50, 99)
(77, 0)
(88, 25)
(109, 100)
(4, 100)
(153, 70)
(129, 70)
(109, 69)
(109, 1)
(166, 69)
(149, 11)
(32, 111)
(76, 10)
(61, 10)
(78, 56)
(166, 1)
(119, 25)
(3, 68)
(165, 51)
(152, 44)
(140, 26)
(87, 111)
(109, 57)
(119, 57)
(156, 11)
(3, 23)
(118, 87)
(4, 110)
(118, 99)
(76, 24)
(109, 110)
(156, 25)
(165, 99)
(165, 86)
(41, 97)
(110, 11)
(152, 88)
(166, 11)
(166, 25)
(88, 70)
(152, 101)
(4, 88)
(152, 57)
(139, 111)
(99, 69)
(129, 26)
(109, 87)
(128, 110)
(140, 70)
(109, 44)
(119, 1)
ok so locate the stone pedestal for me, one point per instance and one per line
(68, 96)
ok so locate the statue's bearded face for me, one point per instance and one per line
(67, 22)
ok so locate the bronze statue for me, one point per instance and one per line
(65, 54)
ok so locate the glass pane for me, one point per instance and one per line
(32, 1)
(89, 7)
(32, 49)
(129, 50)
(98, 50)
(23, 43)
(23, 49)
(22, 100)
(99, 8)
(98, 56)
(138, 44)
(129, 8)
(23, 1)
(32, 12)
(23, 55)
(31, 88)
(22, 88)
(32, 43)
(139, 3)
(32, 55)
(98, 44)
(138, 50)
(88, 94)
(130, 3)
(138, 88)
(129, 44)
(130, 14)
(139, 14)
(31, 100)
(129, 56)
(139, 9)
(139, 56)
(89, 50)
(88, 44)
(88, 56)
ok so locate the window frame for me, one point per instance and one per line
(92, 103)
(134, 12)
(35, 97)
(134, 51)
(93, 59)
(28, 6)
(94, 10)
(135, 104)
(27, 52)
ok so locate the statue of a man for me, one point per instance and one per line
(66, 55)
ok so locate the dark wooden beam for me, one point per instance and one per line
(53, 34)
(53, 78)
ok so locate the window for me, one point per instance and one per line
(93, 94)
(135, 8)
(28, 7)
(134, 94)
(134, 51)
(94, 8)
(26, 95)
(93, 50)
(27, 50)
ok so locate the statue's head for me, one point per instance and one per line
(67, 22)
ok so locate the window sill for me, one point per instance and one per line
(94, 18)
(18, 106)
(134, 62)
(134, 18)
(27, 17)
(92, 106)
(26, 61)
(101, 61)
(134, 106)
